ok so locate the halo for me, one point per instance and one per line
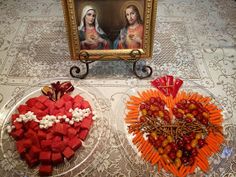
(81, 7)
(126, 4)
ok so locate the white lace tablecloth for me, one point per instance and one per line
(194, 40)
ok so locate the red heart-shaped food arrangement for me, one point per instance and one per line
(48, 129)
(177, 134)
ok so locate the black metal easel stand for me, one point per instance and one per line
(140, 71)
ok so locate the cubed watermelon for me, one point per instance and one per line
(66, 139)
(40, 105)
(57, 158)
(85, 104)
(68, 153)
(77, 125)
(62, 110)
(22, 109)
(45, 157)
(38, 112)
(74, 143)
(42, 98)
(31, 102)
(83, 134)
(67, 97)
(49, 103)
(60, 128)
(60, 103)
(71, 132)
(78, 99)
(45, 170)
(68, 105)
(77, 105)
(69, 115)
(86, 123)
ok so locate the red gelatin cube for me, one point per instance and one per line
(14, 116)
(42, 135)
(30, 132)
(46, 145)
(66, 139)
(34, 151)
(86, 123)
(31, 102)
(27, 143)
(58, 146)
(83, 134)
(42, 98)
(60, 128)
(67, 97)
(57, 138)
(50, 136)
(33, 124)
(68, 153)
(23, 109)
(45, 170)
(85, 104)
(75, 143)
(18, 125)
(31, 161)
(20, 147)
(71, 132)
(59, 103)
(45, 157)
(68, 105)
(57, 158)
(17, 134)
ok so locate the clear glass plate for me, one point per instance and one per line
(85, 158)
(221, 164)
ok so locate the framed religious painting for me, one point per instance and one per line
(110, 29)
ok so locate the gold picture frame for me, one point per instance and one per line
(111, 33)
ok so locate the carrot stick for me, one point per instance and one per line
(137, 138)
(137, 100)
(155, 158)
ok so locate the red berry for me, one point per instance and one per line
(201, 143)
(142, 106)
(180, 143)
(152, 100)
(194, 152)
(184, 160)
(172, 155)
(188, 147)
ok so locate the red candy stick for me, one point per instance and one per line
(178, 83)
(158, 84)
(169, 83)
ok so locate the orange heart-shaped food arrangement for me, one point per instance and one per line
(177, 134)
(47, 131)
